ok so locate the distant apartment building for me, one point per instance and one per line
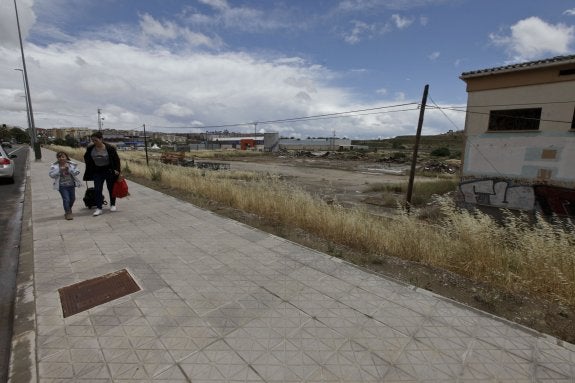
(76, 133)
(520, 136)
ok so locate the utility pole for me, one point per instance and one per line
(33, 137)
(146, 145)
(255, 133)
(416, 147)
(99, 120)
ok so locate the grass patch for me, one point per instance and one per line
(423, 191)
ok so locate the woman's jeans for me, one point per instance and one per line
(68, 194)
(99, 177)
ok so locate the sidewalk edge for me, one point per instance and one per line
(23, 356)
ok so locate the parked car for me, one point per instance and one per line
(6, 165)
(6, 144)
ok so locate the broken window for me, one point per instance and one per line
(514, 119)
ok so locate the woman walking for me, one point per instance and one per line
(102, 165)
(65, 174)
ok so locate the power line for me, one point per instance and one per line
(446, 116)
(502, 115)
(351, 113)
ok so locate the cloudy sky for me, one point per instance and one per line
(357, 66)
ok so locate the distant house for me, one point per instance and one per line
(520, 136)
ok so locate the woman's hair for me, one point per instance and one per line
(63, 153)
(97, 135)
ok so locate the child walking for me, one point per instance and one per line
(65, 174)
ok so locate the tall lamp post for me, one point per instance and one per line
(26, 97)
(33, 137)
(100, 118)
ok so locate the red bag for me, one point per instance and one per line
(120, 189)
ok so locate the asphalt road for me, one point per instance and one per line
(11, 206)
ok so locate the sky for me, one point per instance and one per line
(303, 68)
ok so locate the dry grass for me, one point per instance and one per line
(423, 191)
(518, 256)
(138, 155)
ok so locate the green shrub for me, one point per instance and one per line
(441, 152)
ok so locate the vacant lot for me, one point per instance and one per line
(339, 181)
(346, 183)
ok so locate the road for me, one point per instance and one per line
(12, 197)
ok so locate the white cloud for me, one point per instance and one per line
(243, 18)
(570, 12)
(400, 96)
(173, 109)
(155, 30)
(133, 86)
(162, 88)
(434, 56)
(8, 26)
(362, 31)
(359, 29)
(532, 38)
(217, 4)
(397, 5)
(401, 22)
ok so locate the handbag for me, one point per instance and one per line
(120, 189)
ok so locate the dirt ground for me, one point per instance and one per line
(345, 183)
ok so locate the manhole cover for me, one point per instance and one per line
(84, 295)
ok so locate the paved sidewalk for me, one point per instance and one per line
(223, 302)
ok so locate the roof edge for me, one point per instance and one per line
(553, 61)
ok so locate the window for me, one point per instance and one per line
(573, 120)
(514, 119)
(567, 72)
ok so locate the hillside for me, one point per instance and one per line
(454, 141)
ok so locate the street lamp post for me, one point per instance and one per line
(100, 118)
(26, 97)
(33, 137)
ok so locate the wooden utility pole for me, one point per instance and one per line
(416, 147)
(146, 145)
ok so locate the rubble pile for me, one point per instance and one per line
(435, 166)
(332, 155)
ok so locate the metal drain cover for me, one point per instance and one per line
(85, 295)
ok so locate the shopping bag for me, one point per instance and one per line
(120, 189)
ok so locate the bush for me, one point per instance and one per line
(441, 152)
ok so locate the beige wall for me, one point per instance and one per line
(551, 97)
(547, 154)
(509, 168)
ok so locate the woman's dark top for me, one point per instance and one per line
(91, 167)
